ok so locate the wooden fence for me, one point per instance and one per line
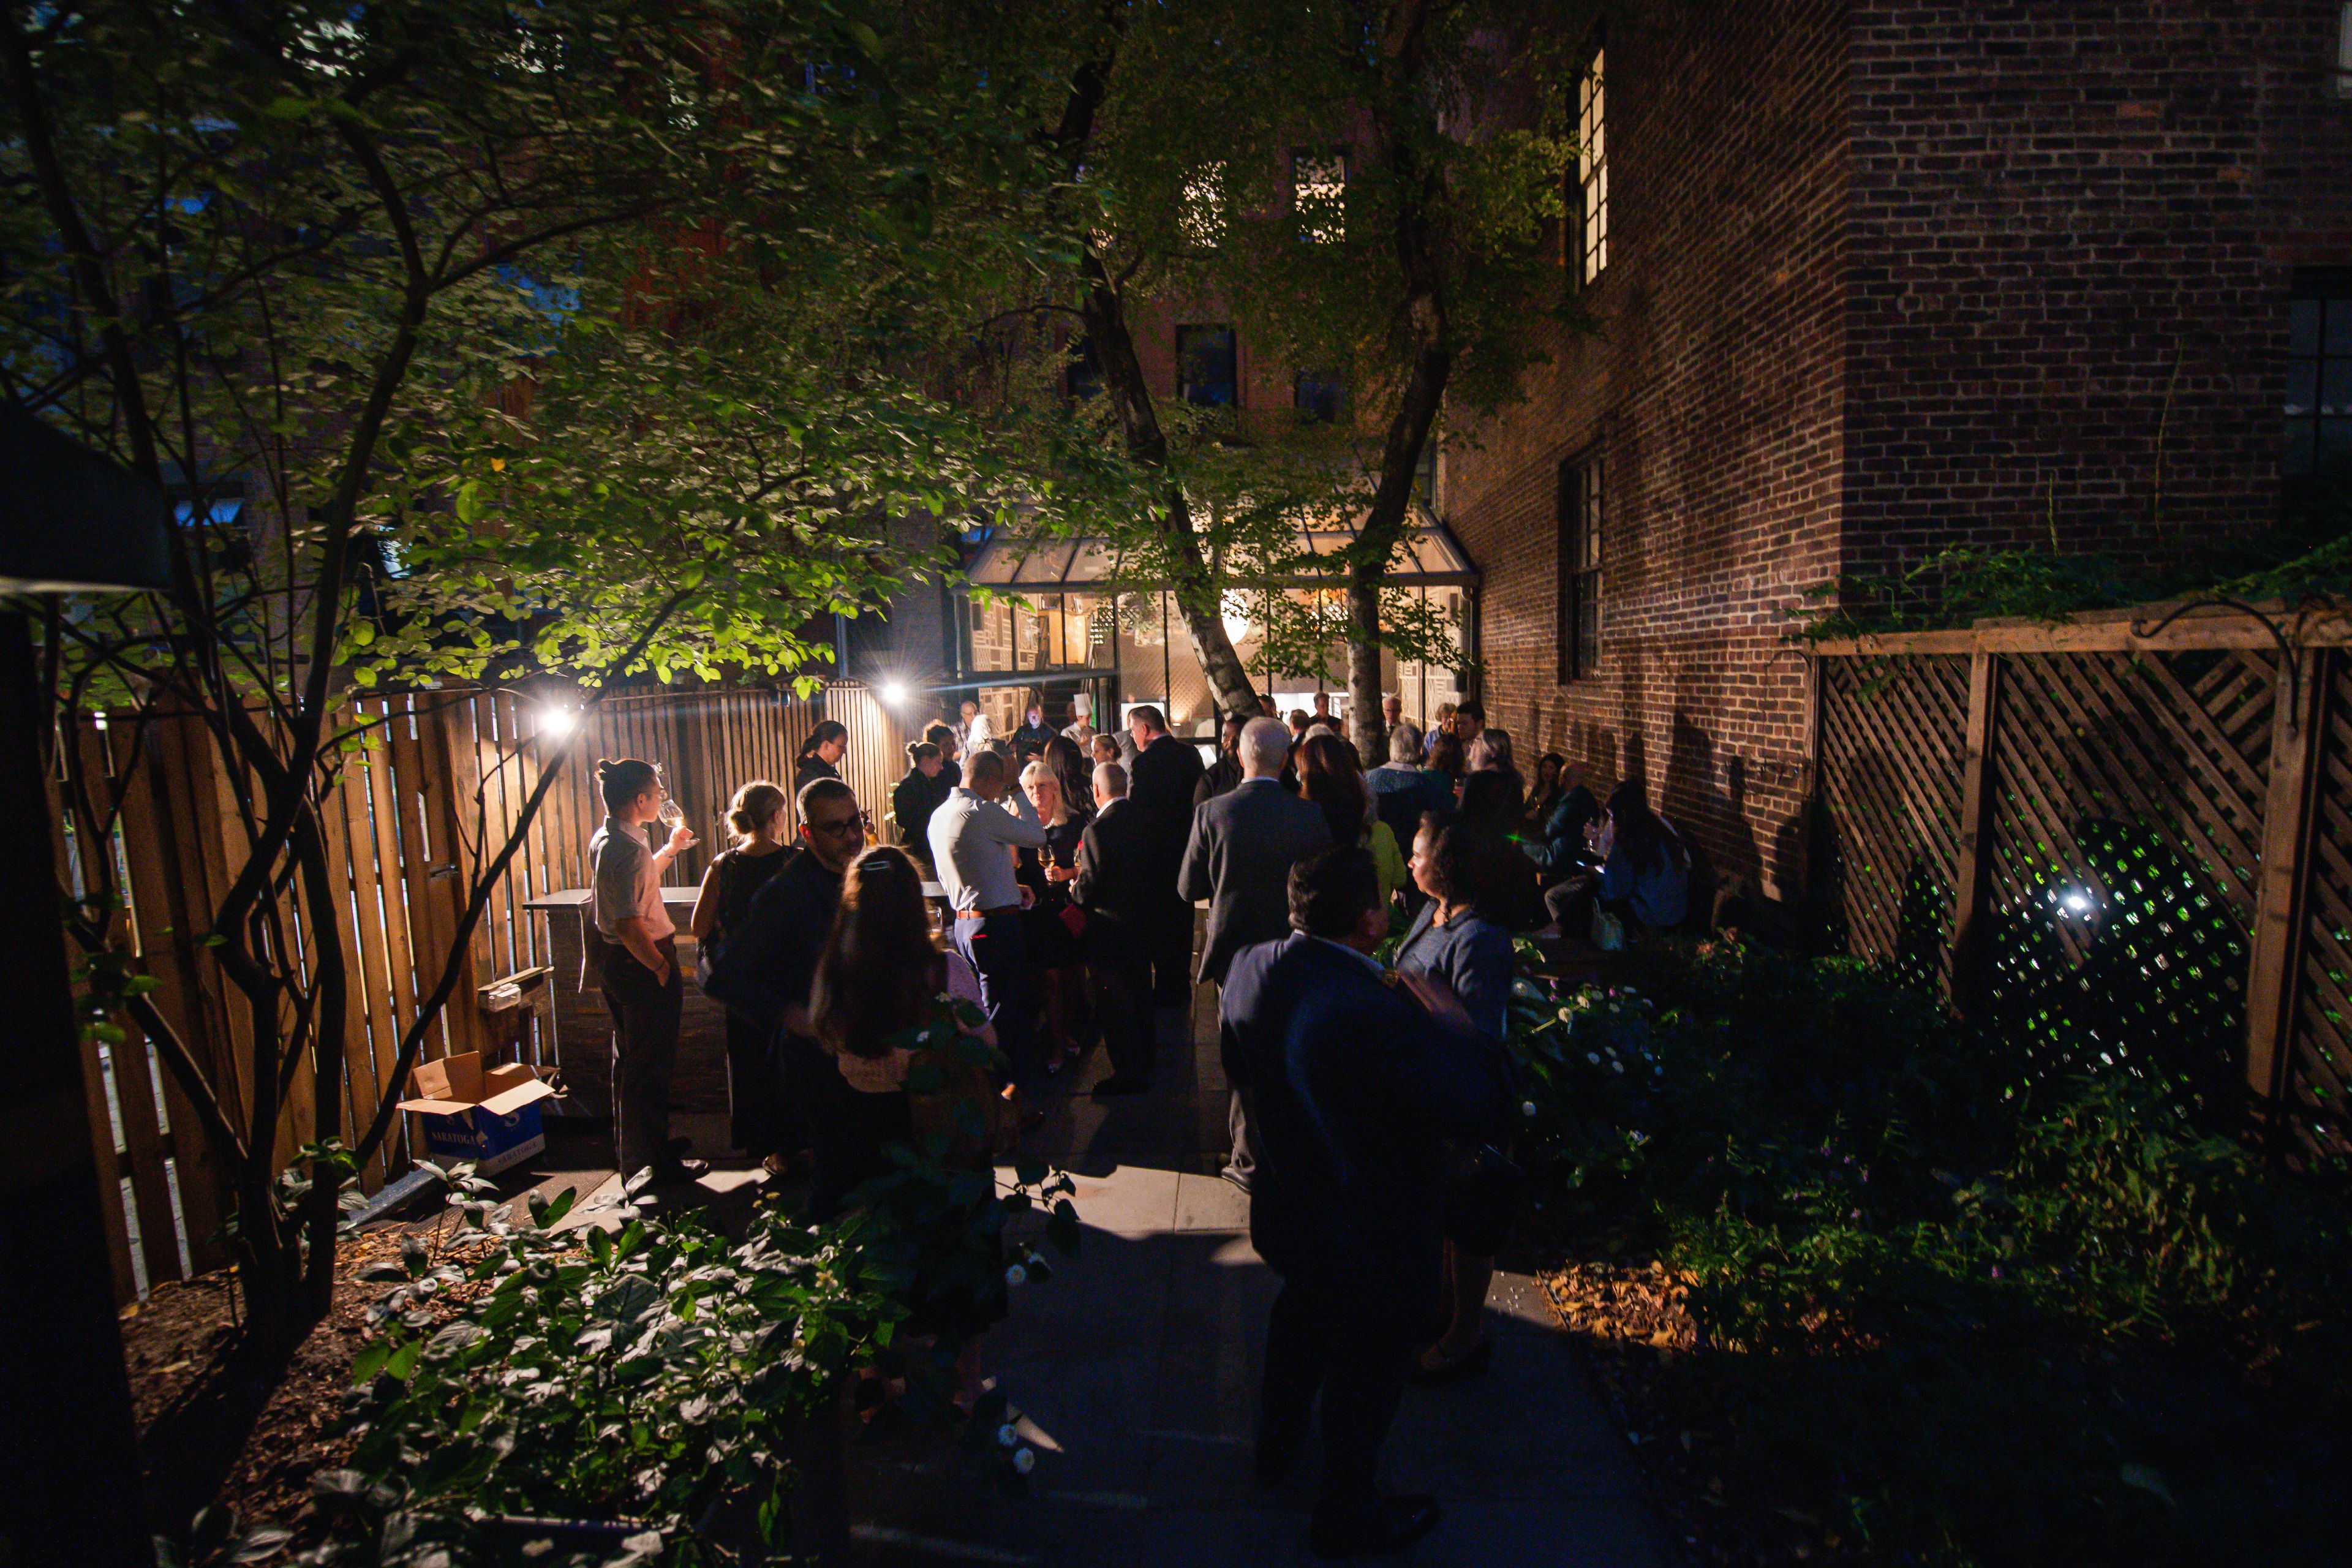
(2156, 817)
(445, 775)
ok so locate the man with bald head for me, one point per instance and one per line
(1242, 846)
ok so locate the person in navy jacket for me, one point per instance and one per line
(1352, 1076)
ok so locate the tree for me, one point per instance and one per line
(1168, 135)
(308, 267)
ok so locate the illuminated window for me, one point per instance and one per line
(1318, 194)
(1202, 221)
(1579, 567)
(1592, 164)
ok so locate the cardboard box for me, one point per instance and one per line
(490, 1116)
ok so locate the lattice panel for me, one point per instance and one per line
(2177, 746)
(2321, 1058)
(2128, 797)
(1892, 735)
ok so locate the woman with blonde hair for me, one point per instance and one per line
(1052, 923)
(758, 1120)
(877, 987)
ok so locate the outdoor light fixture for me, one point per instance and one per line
(893, 692)
(558, 722)
(2076, 901)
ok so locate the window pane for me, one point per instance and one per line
(1205, 365)
(2336, 385)
(2335, 448)
(2339, 326)
(2302, 387)
(2303, 328)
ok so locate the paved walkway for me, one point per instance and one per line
(1135, 1372)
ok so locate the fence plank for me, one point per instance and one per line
(1978, 773)
(2297, 730)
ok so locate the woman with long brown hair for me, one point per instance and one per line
(877, 982)
(1330, 780)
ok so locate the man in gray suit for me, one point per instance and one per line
(1242, 846)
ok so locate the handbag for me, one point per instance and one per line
(1074, 919)
(1608, 932)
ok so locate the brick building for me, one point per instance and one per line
(1875, 279)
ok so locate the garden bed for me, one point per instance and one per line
(1863, 1285)
(218, 1428)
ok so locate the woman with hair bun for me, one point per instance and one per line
(820, 755)
(758, 1121)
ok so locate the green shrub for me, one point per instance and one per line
(1920, 1270)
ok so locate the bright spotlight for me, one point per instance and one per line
(2076, 901)
(893, 692)
(558, 722)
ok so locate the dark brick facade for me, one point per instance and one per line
(1885, 279)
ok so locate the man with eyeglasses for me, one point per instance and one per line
(972, 840)
(769, 961)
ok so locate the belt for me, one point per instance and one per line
(984, 914)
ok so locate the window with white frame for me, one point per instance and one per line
(1593, 164)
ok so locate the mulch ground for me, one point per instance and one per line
(217, 1427)
(1633, 1324)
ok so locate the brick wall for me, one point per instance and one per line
(1714, 394)
(1883, 279)
(2074, 230)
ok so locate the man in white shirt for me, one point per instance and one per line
(972, 835)
(639, 972)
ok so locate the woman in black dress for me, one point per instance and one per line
(1051, 923)
(760, 1121)
(820, 755)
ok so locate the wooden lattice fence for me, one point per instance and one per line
(403, 829)
(2115, 831)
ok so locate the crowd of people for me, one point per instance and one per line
(1368, 1111)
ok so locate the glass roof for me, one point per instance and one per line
(1433, 558)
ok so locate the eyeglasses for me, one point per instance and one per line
(847, 825)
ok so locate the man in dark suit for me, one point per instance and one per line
(1113, 887)
(1351, 1082)
(1242, 846)
(1159, 781)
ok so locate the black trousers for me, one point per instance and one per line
(1118, 980)
(1323, 1337)
(997, 948)
(644, 1054)
(761, 1119)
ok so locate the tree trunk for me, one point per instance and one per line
(1198, 595)
(1399, 120)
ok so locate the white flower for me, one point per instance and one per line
(1592, 1057)
(1016, 1275)
(1527, 1108)
(1008, 1435)
(1024, 1459)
